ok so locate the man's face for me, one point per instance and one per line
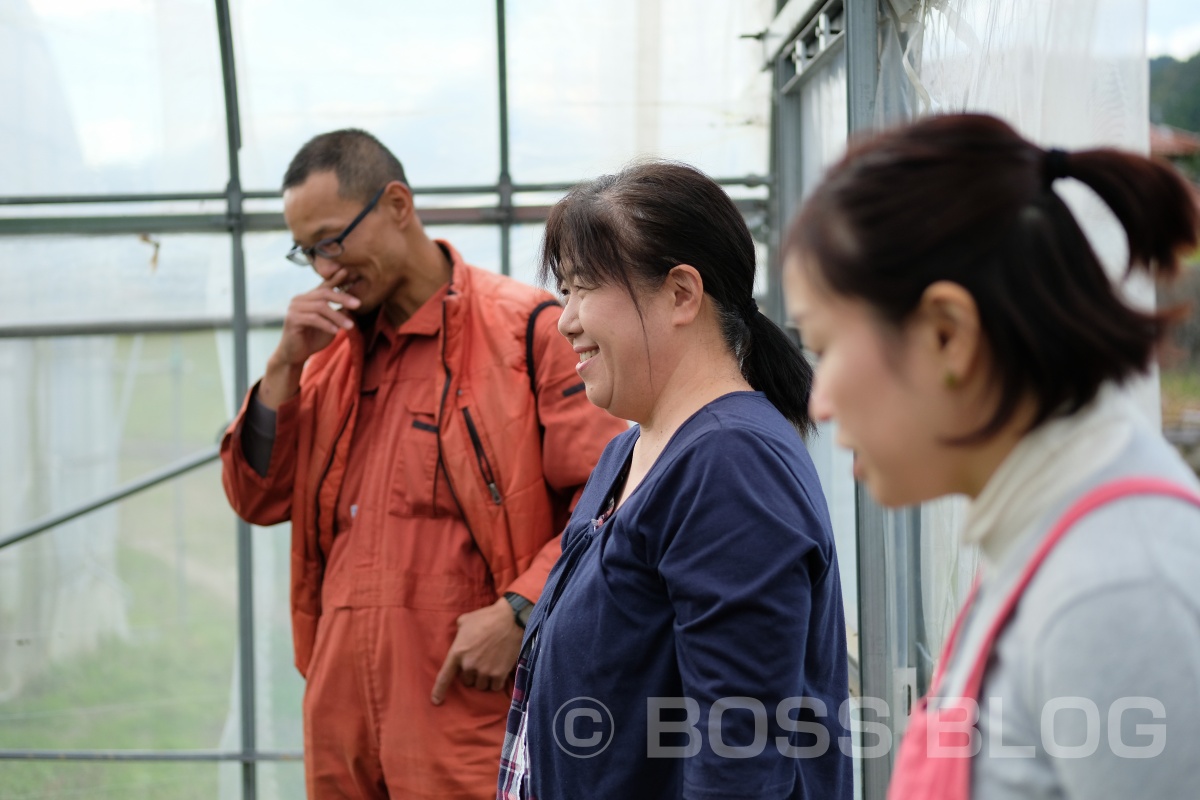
(372, 253)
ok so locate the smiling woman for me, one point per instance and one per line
(698, 570)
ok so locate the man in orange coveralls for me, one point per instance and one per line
(422, 426)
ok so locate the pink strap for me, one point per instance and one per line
(952, 639)
(1102, 495)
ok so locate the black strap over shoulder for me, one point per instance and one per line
(529, 329)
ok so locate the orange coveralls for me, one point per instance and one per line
(424, 477)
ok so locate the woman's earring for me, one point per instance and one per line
(950, 379)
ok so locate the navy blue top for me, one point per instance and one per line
(717, 578)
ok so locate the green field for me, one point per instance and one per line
(163, 563)
(1180, 394)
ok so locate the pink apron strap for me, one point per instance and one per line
(920, 773)
(1100, 496)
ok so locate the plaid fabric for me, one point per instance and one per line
(514, 757)
(514, 781)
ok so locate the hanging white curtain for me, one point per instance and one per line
(1070, 74)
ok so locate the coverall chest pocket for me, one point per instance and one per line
(422, 490)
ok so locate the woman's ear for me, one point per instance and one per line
(947, 325)
(686, 289)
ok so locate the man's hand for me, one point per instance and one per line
(484, 651)
(310, 325)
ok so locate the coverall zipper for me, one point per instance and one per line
(485, 466)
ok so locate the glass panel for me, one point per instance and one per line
(823, 131)
(526, 253)
(420, 76)
(76, 279)
(117, 630)
(54, 780)
(478, 244)
(279, 780)
(280, 688)
(271, 280)
(824, 120)
(111, 96)
(594, 83)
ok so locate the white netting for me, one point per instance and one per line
(1069, 74)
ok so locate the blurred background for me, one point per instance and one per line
(144, 631)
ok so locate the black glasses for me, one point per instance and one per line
(331, 247)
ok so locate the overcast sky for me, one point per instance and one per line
(1173, 28)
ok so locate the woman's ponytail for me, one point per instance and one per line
(774, 365)
(979, 210)
(1157, 208)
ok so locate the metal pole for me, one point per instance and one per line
(241, 383)
(153, 479)
(862, 62)
(876, 526)
(505, 182)
(874, 644)
(70, 199)
(147, 755)
(126, 327)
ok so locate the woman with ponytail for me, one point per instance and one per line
(971, 343)
(690, 642)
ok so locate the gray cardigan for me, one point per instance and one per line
(1093, 690)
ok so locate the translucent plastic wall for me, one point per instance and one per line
(1070, 74)
(144, 644)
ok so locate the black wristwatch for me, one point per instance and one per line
(521, 608)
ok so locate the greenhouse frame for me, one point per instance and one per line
(144, 642)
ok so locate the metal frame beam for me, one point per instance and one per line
(275, 194)
(149, 755)
(116, 495)
(133, 327)
(257, 222)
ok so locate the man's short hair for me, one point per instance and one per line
(361, 162)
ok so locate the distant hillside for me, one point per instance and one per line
(1175, 92)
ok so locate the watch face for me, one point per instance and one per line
(521, 607)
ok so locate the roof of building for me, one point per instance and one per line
(1169, 142)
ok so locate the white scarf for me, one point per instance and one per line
(1046, 464)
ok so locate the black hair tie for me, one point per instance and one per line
(750, 309)
(1055, 165)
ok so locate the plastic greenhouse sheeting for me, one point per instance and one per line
(1070, 74)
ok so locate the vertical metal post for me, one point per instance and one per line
(879, 530)
(874, 641)
(505, 182)
(177, 452)
(862, 62)
(785, 189)
(245, 561)
(773, 303)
